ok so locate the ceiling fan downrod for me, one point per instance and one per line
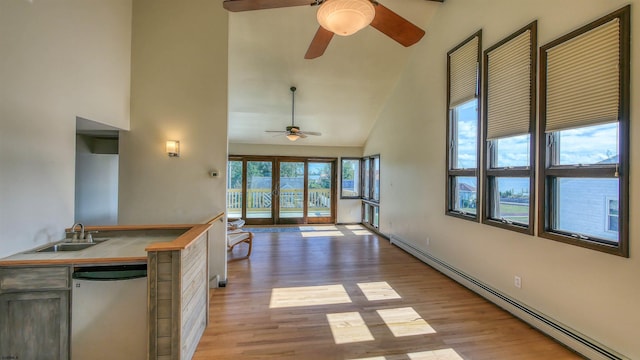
(320, 2)
(293, 103)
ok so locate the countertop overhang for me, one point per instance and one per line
(125, 249)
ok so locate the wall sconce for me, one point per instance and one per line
(173, 148)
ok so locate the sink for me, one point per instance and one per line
(70, 246)
(66, 247)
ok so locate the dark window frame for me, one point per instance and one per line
(369, 204)
(451, 171)
(549, 172)
(342, 160)
(489, 154)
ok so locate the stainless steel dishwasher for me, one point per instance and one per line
(109, 312)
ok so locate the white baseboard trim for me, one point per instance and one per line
(213, 282)
(565, 335)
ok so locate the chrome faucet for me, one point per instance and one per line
(73, 230)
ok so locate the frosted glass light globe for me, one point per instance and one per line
(345, 17)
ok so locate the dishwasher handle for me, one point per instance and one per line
(110, 273)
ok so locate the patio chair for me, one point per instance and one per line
(235, 235)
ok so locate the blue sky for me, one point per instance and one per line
(587, 145)
(467, 135)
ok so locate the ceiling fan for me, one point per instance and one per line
(342, 17)
(293, 132)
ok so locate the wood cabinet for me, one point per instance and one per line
(34, 313)
(178, 297)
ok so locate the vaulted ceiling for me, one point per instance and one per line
(340, 94)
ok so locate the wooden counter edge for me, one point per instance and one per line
(71, 262)
(137, 227)
(183, 241)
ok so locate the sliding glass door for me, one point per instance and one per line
(320, 189)
(235, 204)
(259, 192)
(291, 184)
(281, 190)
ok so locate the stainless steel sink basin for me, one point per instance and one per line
(70, 246)
(66, 247)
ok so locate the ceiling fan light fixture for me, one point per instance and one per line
(293, 137)
(346, 17)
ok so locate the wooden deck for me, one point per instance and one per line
(349, 294)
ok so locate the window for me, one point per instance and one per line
(462, 128)
(371, 191)
(234, 189)
(509, 131)
(366, 178)
(361, 180)
(612, 215)
(375, 178)
(584, 115)
(350, 181)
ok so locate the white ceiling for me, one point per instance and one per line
(339, 94)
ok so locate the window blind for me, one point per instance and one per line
(583, 82)
(463, 73)
(509, 88)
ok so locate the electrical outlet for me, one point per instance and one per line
(517, 281)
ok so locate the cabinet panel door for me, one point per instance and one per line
(36, 278)
(34, 325)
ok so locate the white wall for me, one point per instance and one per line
(178, 92)
(96, 190)
(60, 59)
(592, 292)
(348, 210)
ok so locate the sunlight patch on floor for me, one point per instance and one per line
(318, 228)
(378, 291)
(322, 233)
(355, 227)
(405, 322)
(308, 296)
(361, 232)
(443, 354)
(348, 328)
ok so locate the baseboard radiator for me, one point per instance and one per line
(578, 342)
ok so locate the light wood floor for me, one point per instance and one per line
(279, 305)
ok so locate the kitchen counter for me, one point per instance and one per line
(124, 244)
(113, 250)
(177, 258)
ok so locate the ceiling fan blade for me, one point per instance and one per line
(396, 27)
(319, 43)
(302, 135)
(246, 5)
(276, 131)
(314, 133)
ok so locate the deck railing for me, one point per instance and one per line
(261, 201)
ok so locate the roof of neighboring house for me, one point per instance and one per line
(611, 160)
(258, 182)
(466, 187)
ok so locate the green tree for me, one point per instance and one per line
(258, 169)
(321, 174)
(291, 169)
(348, 169)
(235, 174)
